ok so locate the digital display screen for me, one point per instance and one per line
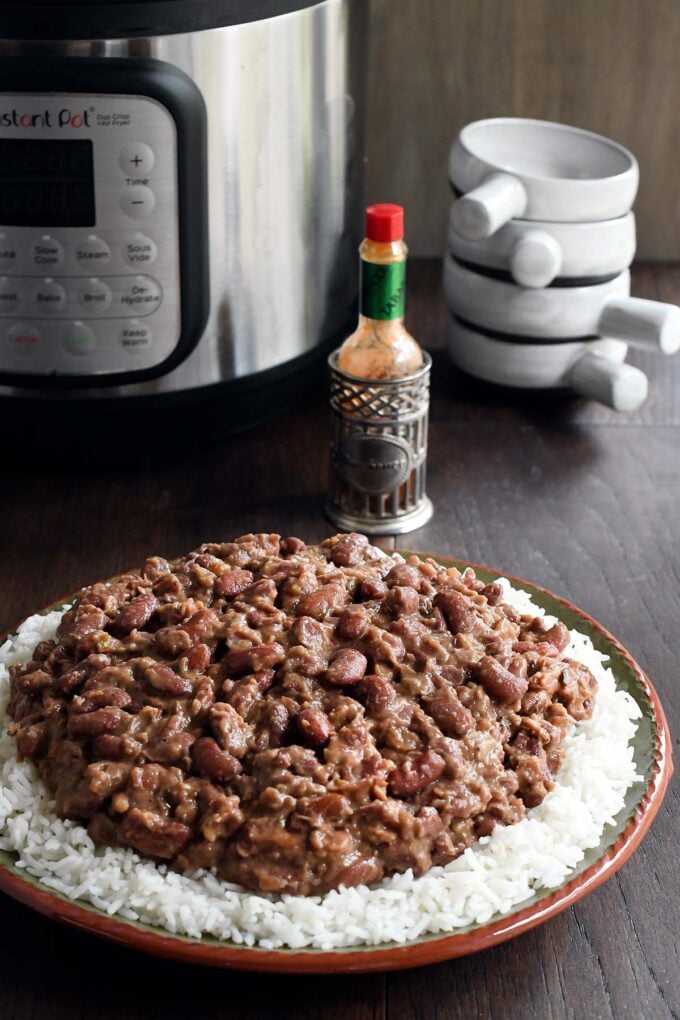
(46, 183)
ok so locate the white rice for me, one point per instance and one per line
(498, 873)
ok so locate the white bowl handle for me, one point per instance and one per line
(615, 384)
(536, 259)
(485, 209)
(648, 324)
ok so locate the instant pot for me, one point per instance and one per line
(180, 190)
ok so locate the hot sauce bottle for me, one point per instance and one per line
(381, 347)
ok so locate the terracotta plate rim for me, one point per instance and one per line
(433, 949)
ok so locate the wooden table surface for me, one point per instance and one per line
(564, 493)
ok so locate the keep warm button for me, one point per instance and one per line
(140, 296)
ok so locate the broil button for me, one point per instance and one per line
(94, 296)
(141, 295)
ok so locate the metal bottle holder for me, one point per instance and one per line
(379, 452)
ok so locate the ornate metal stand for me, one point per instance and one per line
(379, 452)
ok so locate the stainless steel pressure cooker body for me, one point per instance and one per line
(180, 186)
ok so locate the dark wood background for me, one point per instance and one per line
(609, 66)
(562, 492)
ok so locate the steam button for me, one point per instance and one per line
(138, 202)
(46, 252)
(91, 252)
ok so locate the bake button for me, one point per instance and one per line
(8, 253)
(137, 202)
(135, 336)
(140, 250)
(141, 296)
(90, 252)
(78, 338)
(94, 296)
(49, 298)
(46, 252)
(23, 337)
(9, 295)
(137, 159)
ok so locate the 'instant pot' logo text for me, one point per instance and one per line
(46, 118)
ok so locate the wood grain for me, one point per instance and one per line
(609, 66)
(572, 497)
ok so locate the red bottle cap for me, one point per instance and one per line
(385, 222)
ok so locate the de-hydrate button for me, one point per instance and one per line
(94, 296)
(79, 338)
(135, 336)
(141, 295)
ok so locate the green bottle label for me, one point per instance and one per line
(383, 290)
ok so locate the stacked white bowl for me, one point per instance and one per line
(536, 276)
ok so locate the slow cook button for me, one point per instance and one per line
(92, 251)
(78, 338)
(140, 296)
(140, 250)
(46, 252)
(49, 298)
(9, 295)
(23, 337)
(137, 202)
(135, 336)
(94, 296)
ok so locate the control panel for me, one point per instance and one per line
(89, 234)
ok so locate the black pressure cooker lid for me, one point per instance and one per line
(126, 19)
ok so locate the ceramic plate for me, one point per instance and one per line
(652, 756)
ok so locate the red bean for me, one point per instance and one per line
(349, 550)
(558, 635)
(233, 582)
(456, 610)
(452, 717)
(172, 641)
(353, 623)
(291, 546)
(93, 724)
(136, 614)
(493, 592)
(347, 668)
(417, 773)
(198, 658)
(498, 682)
(155, 567)
(211, 761)
(100, 697)
(320, 603)
(403, 600)
(373, 588)
(377, 693)
(314, 726)
(404, 576)
(259, 657)
(153, 836)
(164, 680)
